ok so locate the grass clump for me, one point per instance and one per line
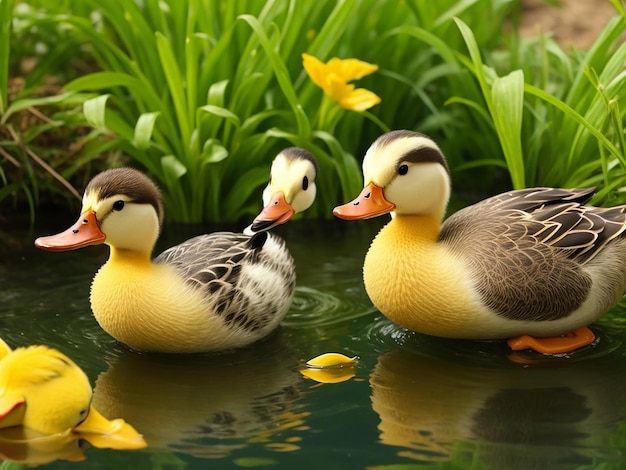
(202, 95)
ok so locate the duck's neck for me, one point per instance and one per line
(119, 255)
(405, 249)
(414, 228)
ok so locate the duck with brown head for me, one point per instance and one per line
(212, 292)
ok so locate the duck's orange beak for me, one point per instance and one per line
(370, 203)
(115, 434)
(276, 212)
(83, 233)
(12, 409)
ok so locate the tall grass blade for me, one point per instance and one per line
(95, 111)
(175, 83)
(144, 129)
(6, 20)
(282, 76)
(507, 98)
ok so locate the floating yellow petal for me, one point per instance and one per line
(333, 78)
(330, 368)
(332, 361)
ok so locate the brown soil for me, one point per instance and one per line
(574, 23)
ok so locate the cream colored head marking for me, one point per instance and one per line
(411, 169)
(293, 173)
(128, 208)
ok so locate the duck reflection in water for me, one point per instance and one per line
(207, 405)
(504, 417)
(27, 447)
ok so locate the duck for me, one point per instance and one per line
(291, 189)
(43, 390)
(533, 266)
(213, 292)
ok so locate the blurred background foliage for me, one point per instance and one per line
(202, 94)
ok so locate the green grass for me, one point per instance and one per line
(213, 98)
(203, 94)
(44, 140)
(558, 133)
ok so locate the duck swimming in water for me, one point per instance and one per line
(213, 292)
(291, 189)
(535, 265)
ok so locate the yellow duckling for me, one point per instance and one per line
(528, 263)
(212, 292)
(43, 390)
(291, 189)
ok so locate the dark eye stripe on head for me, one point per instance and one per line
(423, 155)
(417, 155)
(128, 182)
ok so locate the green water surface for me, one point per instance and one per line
(414, 402)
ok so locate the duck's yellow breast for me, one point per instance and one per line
(150, 307)
(417, 283)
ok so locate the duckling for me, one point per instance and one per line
(43, 390)
(213, 292)
(535, 265)
(291, 189)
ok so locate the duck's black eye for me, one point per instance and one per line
(118, 205)
(305, 183)
(403, 169)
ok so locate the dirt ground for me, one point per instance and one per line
(574, 23)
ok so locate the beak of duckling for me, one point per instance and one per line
(12, 408)
(83, 233)
(103, 433)
(370, 203)
(276, 212)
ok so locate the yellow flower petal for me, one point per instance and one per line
(330, 368)
(359, 100)
(332, 360)
(330, 376)
(337, 89)
(351, 69)
(333, 78)
(315, 68)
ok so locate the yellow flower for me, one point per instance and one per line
(333, 78)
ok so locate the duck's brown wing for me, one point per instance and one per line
(215, 257)
(527, 249)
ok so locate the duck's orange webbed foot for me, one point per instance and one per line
(556, 344)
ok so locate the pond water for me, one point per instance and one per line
(414, 402)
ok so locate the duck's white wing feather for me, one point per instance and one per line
(248, 281)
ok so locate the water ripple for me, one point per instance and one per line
(383, 334)
(311, 307)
